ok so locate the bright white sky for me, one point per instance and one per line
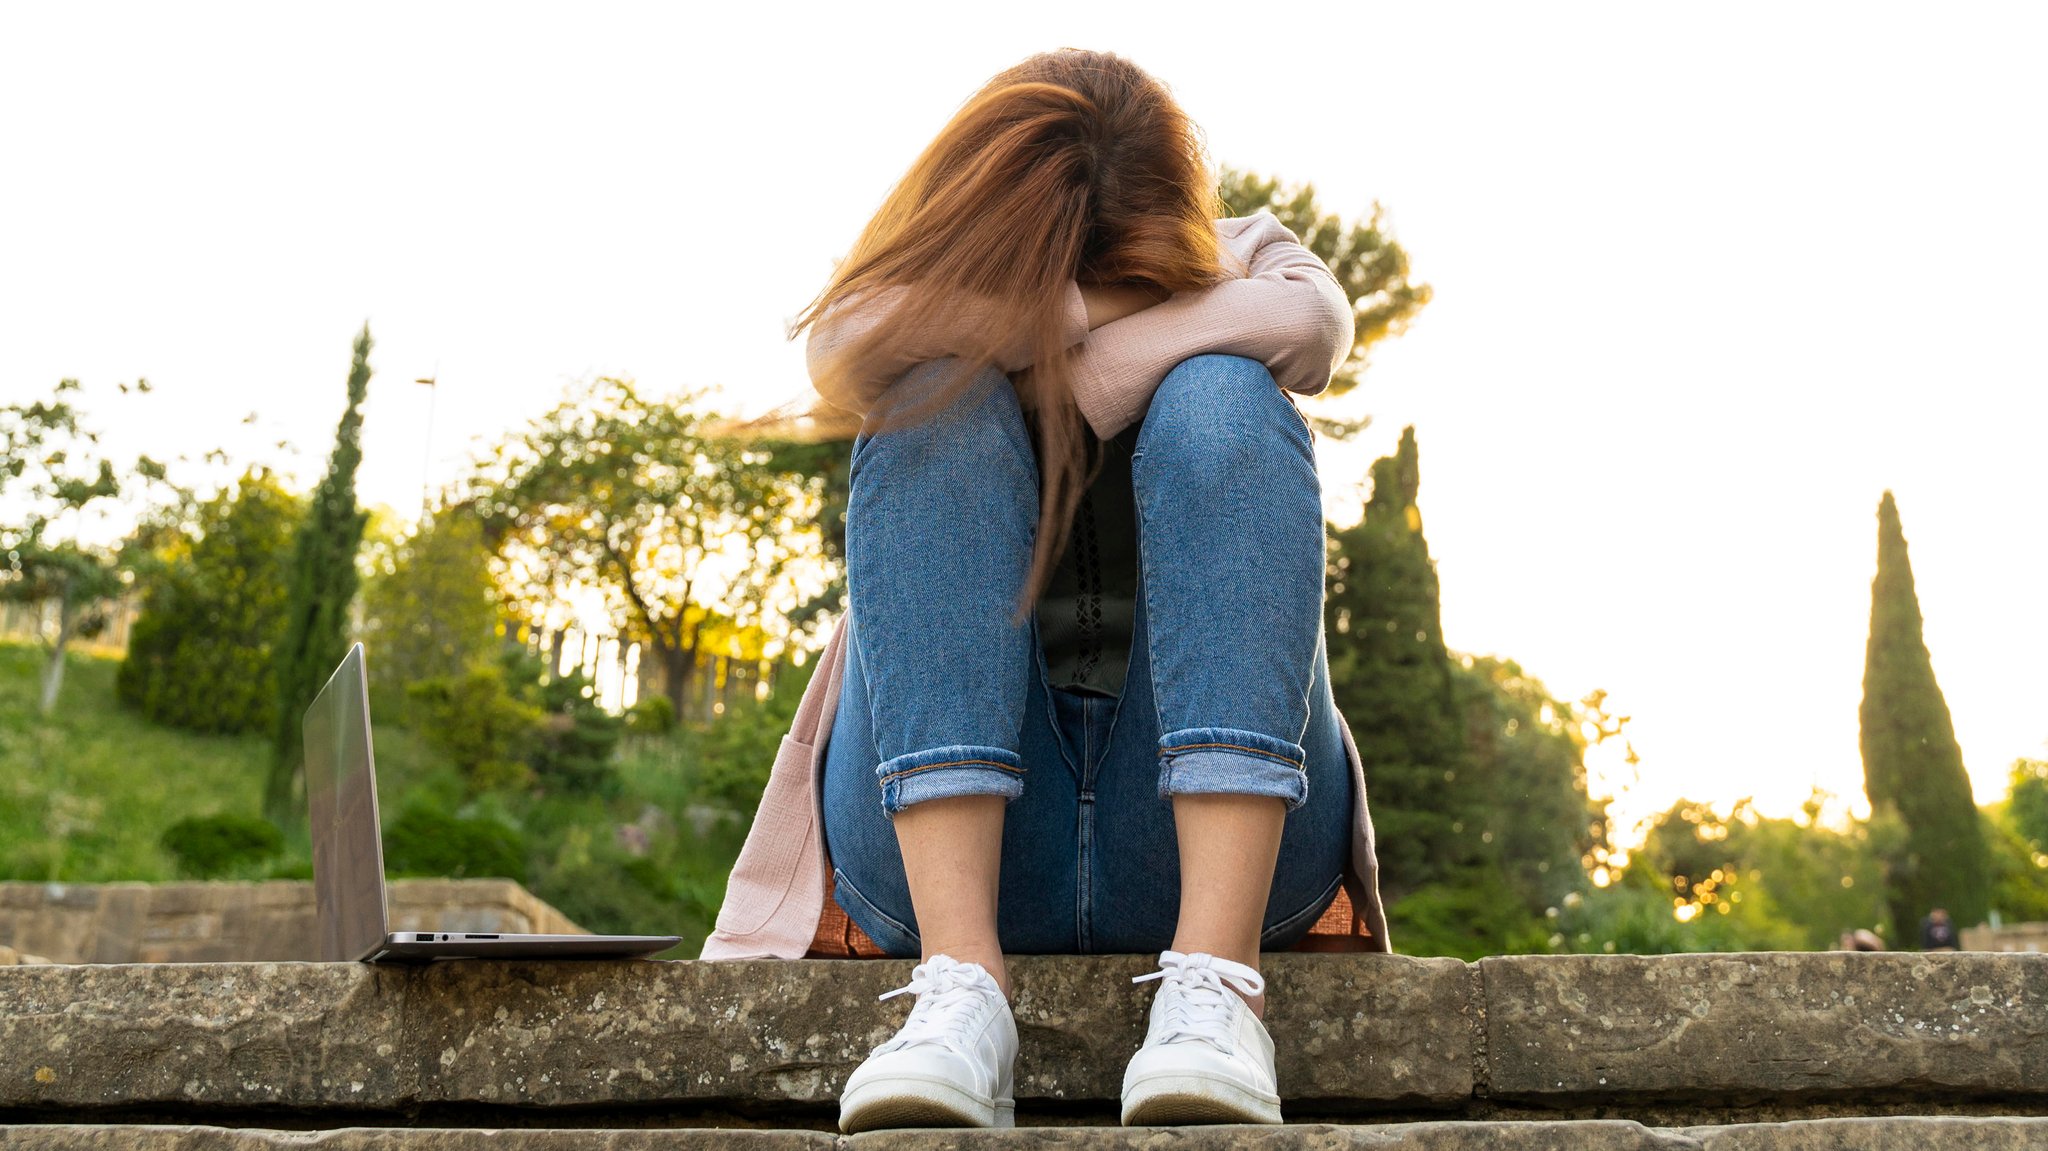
(1708, 280)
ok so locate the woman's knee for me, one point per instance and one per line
(1218, 415)
(932, 409)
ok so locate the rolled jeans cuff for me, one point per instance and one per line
(1231, 761)
(944, 772)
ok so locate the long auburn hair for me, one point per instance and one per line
(1071, 166)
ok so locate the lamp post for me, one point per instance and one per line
(427, 463)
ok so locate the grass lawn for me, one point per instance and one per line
(86, 794)
(88, 791)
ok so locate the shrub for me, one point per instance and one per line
(209, 846)
(477, 721)
(429, 841)
(651, 715)
(577, 739)
(199, 655)
(603, 889)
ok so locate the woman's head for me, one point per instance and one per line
(1071, 166)
(1076, 165)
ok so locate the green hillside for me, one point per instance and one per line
(86, 795)
(90, 790)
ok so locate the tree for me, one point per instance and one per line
(201, 654)
(1366, 259)
(1817, 881)
(1392, 679)
(323, 581)
(52, 479)
(1527, 778)
(1911, 761)
(2026, 803)
(434, 612)
(688, 535)
(2018, 831)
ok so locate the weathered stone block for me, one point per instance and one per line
(312, 1036)
(1571, 1028)
(1369, 1029)
(543, 1034)
(1889, 1134)
(134, 1138)
(1589, 1135)
(1903, 1133)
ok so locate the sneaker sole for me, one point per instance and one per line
(1172, 1100)
(903, 1101)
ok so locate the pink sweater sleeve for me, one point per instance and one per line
(838, 330)
(1288, 312)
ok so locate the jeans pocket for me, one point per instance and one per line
(889, 933)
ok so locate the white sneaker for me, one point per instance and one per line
(1206, 1058)
(952, 1064)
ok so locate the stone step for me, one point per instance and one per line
(1891, 1134)
(1672, 1040)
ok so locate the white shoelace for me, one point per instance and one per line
(1202, 1010)
(947, 995)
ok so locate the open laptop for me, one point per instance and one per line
(348, 852)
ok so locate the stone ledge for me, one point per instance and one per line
(268, 921)
(1784, 1024)
(1900, 1134)
(1737, 1036)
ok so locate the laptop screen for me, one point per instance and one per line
(341, 789)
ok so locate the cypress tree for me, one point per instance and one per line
(1911, 761)
(1393, 680)
(323, 581)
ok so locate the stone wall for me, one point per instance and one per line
(2010, 937)
(1669, 1040)
(215, 922)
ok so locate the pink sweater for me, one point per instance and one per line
(1285, 310)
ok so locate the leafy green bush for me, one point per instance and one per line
(209, 846)
(732, 755)
(1639, 915)
(478, 721)
(1470, 915)
(651, 715)
(429, 841)
(199, 655)
(578, 739)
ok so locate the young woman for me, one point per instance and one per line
(1079, 701)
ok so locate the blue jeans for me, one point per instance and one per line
(1227, 690)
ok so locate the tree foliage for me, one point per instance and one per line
(323, 581)
(1393, 681)
(201, 654)
(481, 721)
(1371, 265)
(2026, 802)
(1527, 775)
(1789, 883)
(2018, 832)
(690, 537)
(1477, 774)
(52, 478)
(1911, 761)
(432, 612)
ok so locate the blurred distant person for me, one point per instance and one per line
(1861, 939)
(1937, 933)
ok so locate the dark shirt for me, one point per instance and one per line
(1086, 616)
(1937, 936)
